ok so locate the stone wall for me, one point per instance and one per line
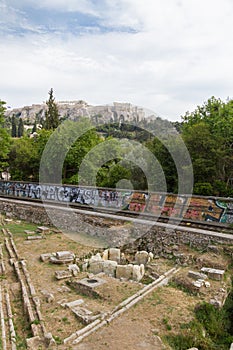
(166, 243)
(114, 233)
(33, 214)
(104, 229)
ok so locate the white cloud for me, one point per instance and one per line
(180, 55)
(83, 6)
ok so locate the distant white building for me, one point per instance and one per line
(5, 175)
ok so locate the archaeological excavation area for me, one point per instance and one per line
(56, 293)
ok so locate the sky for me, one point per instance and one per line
(166, 56)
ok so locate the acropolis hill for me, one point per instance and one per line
(72, 109)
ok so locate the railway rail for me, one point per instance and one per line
(204, 227)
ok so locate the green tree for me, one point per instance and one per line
(23, 159)
(77, 152)
(34, 127)
(208, 134)
(204, 150)
(4, 138)
(164, 157)
(112, 174)
(51, 114)
(13, 127)
(25, 155)
(20, 128)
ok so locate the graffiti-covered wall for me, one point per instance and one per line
(194, 208)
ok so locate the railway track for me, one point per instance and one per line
(145, 218)
(217, 227)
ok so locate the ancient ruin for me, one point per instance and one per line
(69, 292)
(117, 112)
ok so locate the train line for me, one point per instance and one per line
(205, 228)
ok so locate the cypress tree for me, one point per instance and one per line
(4, 137)
(51, 114)
(13, 127)
(34, 127)
(20, 128)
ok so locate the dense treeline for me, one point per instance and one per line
(119, 154)
(208, 134)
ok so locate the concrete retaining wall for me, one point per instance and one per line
(155, 239)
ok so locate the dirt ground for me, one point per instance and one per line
(161, 312)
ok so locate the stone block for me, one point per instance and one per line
(214, 274)
(89, 286)
(33, 343)
(35, 330)
(64, 255)
(115, 254)
(95, 258)
(96, 266)
(85, 266)
(109, 267)
(64, 289)
(142, 257)
(34, 238)
(54, 260)
(84, 315)
(8, 220)
(197, 275)
(50, 341)
(124, 271)
(137, 273)
(198, 283)
(92, 282)
(63, 274)
(105, 254)
(45, 257)
(74, 269)
(28, 232)
(49, 296)
(43, 229)
(150, 257)
(123, 259)
(74, 303)
(142, 269)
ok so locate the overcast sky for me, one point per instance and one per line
(165, 55)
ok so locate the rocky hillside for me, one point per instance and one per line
(118, 112)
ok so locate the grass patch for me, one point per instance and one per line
(155, 298)
(58, 340)
(211, 329)
(147, 280)
(18, 230)
(166, 323)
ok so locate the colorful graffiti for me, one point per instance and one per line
(169, 205)
(204, 209)
(71, 194)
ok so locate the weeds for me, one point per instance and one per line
(211, 329)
